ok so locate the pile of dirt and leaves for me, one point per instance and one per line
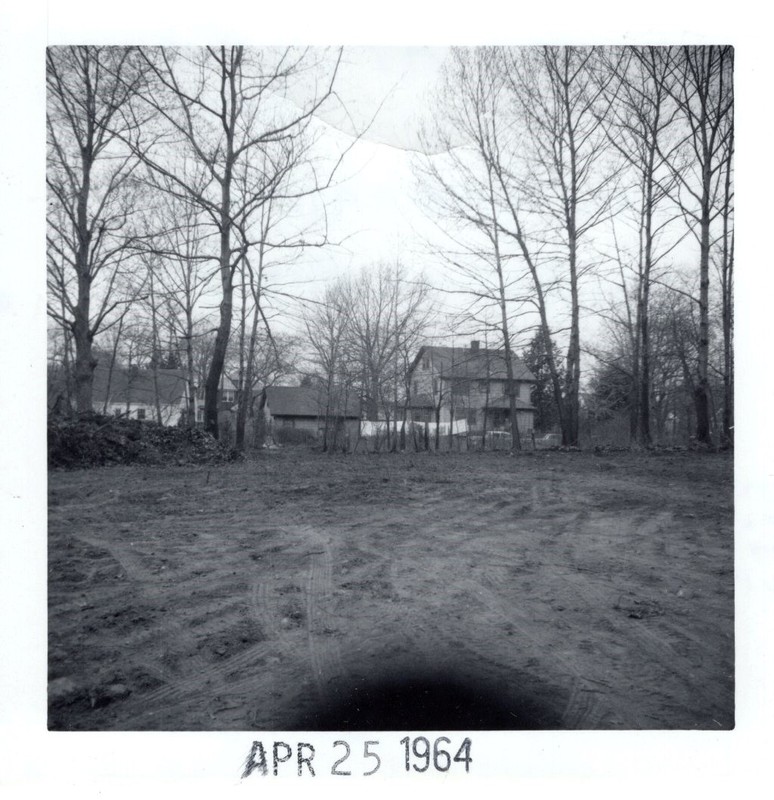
(95, 440)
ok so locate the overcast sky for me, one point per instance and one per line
(372, 209)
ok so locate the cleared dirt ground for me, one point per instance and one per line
(457, 591)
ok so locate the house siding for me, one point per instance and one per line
(465, 397)
(313, 424)
(170, 414)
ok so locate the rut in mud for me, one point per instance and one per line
(459, 591)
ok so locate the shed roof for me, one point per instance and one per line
(307, 401)
(122, 385)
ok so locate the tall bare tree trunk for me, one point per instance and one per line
(215, 372)
(502, 302)
(85, 363)
(703, 90)
(155, 348)
(701, 391)
(643, 337)
(727, 273)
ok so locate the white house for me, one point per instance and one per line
(134, 392)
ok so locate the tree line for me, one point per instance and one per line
(575, 186)
(173, 172)
(580, 180)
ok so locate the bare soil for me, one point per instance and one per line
(302, 591)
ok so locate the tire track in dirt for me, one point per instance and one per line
(187, 692)
(174, 633)
(324, 651)
(171, 629)
(465, 648)
(583, 709)
(324, 663)
(244, 674)
(652, 646)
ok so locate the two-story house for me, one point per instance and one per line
(469, 383)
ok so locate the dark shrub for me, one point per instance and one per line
(293, 436)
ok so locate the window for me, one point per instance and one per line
(425, 363)
(435, 385)
(421, 415)
(416, 387)
(472, 417)
(228, 395)
(482, 386)
(287, 422)
(140, 413)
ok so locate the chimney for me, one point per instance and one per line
(474, 345)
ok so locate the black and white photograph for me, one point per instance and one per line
(369, 420)
(389, 388)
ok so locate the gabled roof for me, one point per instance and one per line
(473, 363)
(307, 401)
(124, 385)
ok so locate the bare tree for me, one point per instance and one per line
(327, 330)
(89, 182)
(726, 276)
(567, 179)
(388, 313)
(471, 181)
(640, 126)
(222, 107)
(272, 246)
(702, 86)
(174, 236)
(253, 287)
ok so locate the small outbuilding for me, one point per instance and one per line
(312, 409)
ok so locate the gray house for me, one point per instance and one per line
(471, 384)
